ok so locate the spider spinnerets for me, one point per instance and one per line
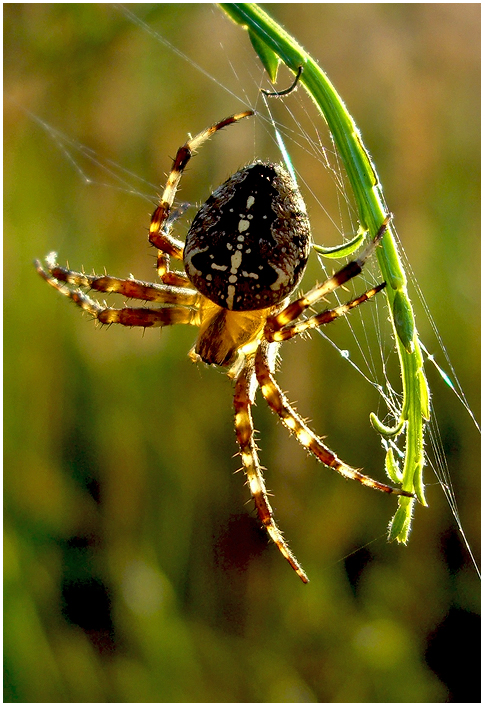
(245, 253)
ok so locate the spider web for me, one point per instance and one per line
(364, 341)
(368, 350)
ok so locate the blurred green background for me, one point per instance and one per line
(135, 570)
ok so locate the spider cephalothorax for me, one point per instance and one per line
(244, 255)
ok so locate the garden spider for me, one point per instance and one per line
(245, 253)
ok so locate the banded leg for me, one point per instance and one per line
(127, 316)
(144, 317)
(131, 288)
(160, 225)
(169, 247)
(278, 402)
(349, 271)
(325, 317)
(243, 399)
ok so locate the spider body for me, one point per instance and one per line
(248, 245)
(245, 251)
(244, 255)
(225, 337)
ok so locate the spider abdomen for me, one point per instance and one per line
(248, 245)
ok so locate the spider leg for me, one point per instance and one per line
(144, 317)
(160, 225)
(243, 399)
(169, 247)
(278, 402)
(325, 317)
(349, 271)
(127, 316)
(134, 289)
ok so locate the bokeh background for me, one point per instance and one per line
(135, 570)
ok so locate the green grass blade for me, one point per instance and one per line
(372, 212)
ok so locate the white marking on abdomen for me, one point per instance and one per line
(282, 278)
(231, 291)
(236, 260)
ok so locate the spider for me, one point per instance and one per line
(244, 255)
